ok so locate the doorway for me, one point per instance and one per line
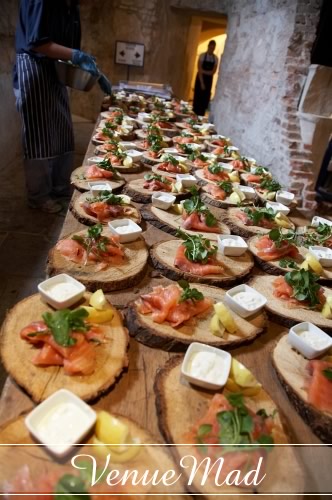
(202, 30)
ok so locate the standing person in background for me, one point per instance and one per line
(48, 30)
(207, 66)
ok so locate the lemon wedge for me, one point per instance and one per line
(104, 450)
(235, 198)
(177, 187)
(128, 161)
(125, 199)
(242, 380)
(240, 193)
(96, 316)
(234, 177)
(283, 221)
(327, 308)
(110, 430)
(225, 317)
(98, 300)
(216, 327)
(313, 263)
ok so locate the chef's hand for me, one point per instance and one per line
(105, 84)
(85, 62)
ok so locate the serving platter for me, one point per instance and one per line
(291, 369)
(40, 382)
(76, 208)
(166, 337)
(114, 277)
(236, 269)
(79, 181)
(170, 221)
(180, 405)
(139, 194)
(281, 311)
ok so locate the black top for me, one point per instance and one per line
(42, 21)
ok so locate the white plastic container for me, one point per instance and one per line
(231, 245)
(277, 207)
(248, 192)
(126, 229)
(127, 145)
(323, 254)
(206, 366)
(93, 160)
(163, 200)
(285, 197)
(134, 154)
(226, 167)
(171, 151)
(237, 301)
(61, 291)
(309, 340)
(187, 180)
(97, 187)
(320, 220)
(144, 117)
(61, 421)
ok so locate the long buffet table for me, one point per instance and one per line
(133, 394)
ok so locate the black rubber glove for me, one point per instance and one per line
(105, 85)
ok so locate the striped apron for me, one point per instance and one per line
(44, 107)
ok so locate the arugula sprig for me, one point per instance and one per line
(107, 165)
(257, 214)
(278, 237)
(195, 204)
(106, 197)
(226, 186)
(189, 293)
(270, 185)
(261, 171)
(236, 427)
(197, 248)
(186, 148)
(305, 286)
(215, 168)
(328, 374)
(288, 262)
(322, 233)
(170, 159)
(197, 155)
(94, 242)
(156, 177)
(62, 323)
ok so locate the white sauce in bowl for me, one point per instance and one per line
(249, 300)
(314, 340)
(62, 291)
(207, 366)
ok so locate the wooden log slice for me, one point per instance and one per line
(180, 405)
(151, 161)
(169, 132)
(168, 338)
(39, 461)
(80, 214)
(291, 368)
(273, 267)
(199, 173)
(239, 228)
(156, 170)
(131, 136)
(226, 203)
(79, 181)
(41, 382)
(113, 277)
(287, 314)
(139, 194)
(170, 222)
(134, 169)
(142, 134)
(235, 268)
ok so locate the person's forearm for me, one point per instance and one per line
(54, 51)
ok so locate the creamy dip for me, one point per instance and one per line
(101, 187)
(314, 340)
(164, 198)
(207, 366)
(62, 291)
(248, 300)
(124, 229)
(323, 253)
(286, 194)
(229, 242)
(63, 424)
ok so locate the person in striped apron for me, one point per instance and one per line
(207, 66)
(48, 30)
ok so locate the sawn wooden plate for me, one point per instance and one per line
(79, 181)
(41, 382)
(166, 337)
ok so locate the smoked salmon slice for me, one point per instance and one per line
(164, 304)
(220, 176)
(211, 267)
(320, 386)
(267, 249)
(216, 192)
(196, 222)
(95, 172)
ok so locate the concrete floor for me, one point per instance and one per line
(27, 235)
